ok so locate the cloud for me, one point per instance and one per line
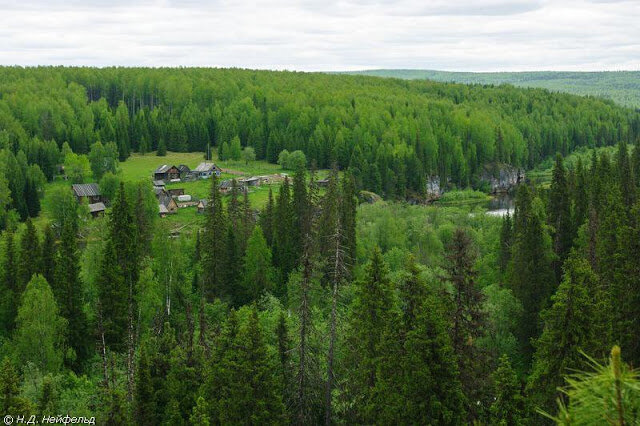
(466, 35)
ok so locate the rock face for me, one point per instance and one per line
(368, 197)
(501, 177)
(434, 190)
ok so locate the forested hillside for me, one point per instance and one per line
(392, 134)
(324, 303)
(622, 87)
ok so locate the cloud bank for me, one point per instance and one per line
(316, 35)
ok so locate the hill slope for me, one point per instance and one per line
(622, 87)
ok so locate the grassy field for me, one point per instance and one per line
(141, 167)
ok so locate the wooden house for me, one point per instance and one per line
(166, 173)
(184, 170)
(202, 206)
(206, 170)
(167, 204)
(87, 191)
(251, 181)
(174, 192)
(97, 209)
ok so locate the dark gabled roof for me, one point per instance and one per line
(86, 189)
(165, 199)
(158, 183)
(162, 208)
(226, 184)
(184, 168)
(96, 207)
(164, 168)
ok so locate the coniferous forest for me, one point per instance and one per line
(347, 296)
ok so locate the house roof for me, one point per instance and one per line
(204, 202)
(164, 199)
(86, 189)
(184, 168)
(96, 207)
(164, 168)
(158, 183)
(226, 184)
(205, 167)
(162, 208)
(250, 179)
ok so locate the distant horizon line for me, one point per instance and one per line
(331, 71)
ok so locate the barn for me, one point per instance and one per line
(166, 173)
(87, 191)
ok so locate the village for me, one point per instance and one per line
(172, 196)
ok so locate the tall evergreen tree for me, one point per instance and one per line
(530, 274)
(214, 244)
(267, 219)
(49, 253)
(29, 254)
(507, 408)
(567, 331)
(118, 274)
(284, 255)
(371, 314)
(468, 319)
(68, 291)
(625, 175)
(506, 241)
(559, 214)
(258, 271)
(10, 290)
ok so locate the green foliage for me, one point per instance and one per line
(610, 394)
(508, 406)
(248, 154)
(76, 167)
(258, 272)
(292, 160)
(40, 329)
(103, 159)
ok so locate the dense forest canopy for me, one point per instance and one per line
(392, 134)
(622, 87)
(313, 308)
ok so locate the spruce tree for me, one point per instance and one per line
(118, 274)
(625, 175)
(267, 219)
(10, 290)
(506, 241)
(145, 408)
(68, 291)
(49, 254)
(9, 386)
(162, 148)
(258, 271)
(213, 245)
(284, 255)
(431, 388)
(567, 331)
(531, 275)
(371, 313)
(507, 408)
(30, 255)
(559, 215)
(468, 319)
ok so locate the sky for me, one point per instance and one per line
(325, 35)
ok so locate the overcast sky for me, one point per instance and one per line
(462, 35)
